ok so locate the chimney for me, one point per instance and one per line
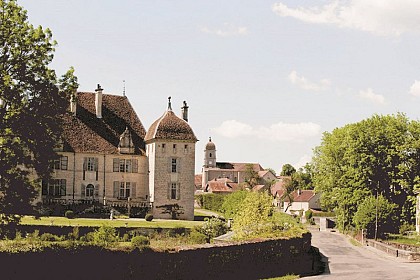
(184, 111)
(98, 101)
(73, 103)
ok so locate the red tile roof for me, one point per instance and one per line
(85, 133)
(236, 166)
(198, 180)
(303, 195)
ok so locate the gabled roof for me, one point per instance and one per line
(85, 133)
(278, 188)
(238, 166)
(303, 195)
(170, 127)
(222, 185)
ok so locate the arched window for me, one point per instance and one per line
(210, 154)
(89, 190)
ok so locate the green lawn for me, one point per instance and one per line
(62, 221)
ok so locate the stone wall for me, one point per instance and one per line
(253, 260)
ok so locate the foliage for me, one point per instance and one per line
(289, 188)
(232, 202)
(370, 208)
(256, 209)
(211, 201)
(149, 217)
(30, 106)
(140, 241)
(406, 228)
(69, 214)
(308, 214)
(50, 237)
(379, 155)
(287, 170)
(251, 177)
(302, 178)
(105, 236)
(212, 228)
(197, 237)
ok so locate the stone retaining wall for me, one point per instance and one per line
(253, 260)
(390, 250)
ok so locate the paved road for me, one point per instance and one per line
(346, 261)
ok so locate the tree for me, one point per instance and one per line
(251, 176)
(232, 202)
(373, 214)
(256, 210)
(302, 178)
(287, 170)
(379, 155)
(289, 188)
(32, 100)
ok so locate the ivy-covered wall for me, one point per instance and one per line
(253, 260)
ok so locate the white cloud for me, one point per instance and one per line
(415, 88)
(278, 132)
(302, 161)
(227, 30)
(382, 17)
(305, 84)
(371, 96)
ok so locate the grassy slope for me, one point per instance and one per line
(62, 221)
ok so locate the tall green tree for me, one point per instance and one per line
(251, 177)
(287, 170)
(377, 156)
(32, 100)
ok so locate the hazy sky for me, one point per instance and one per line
(263, 78)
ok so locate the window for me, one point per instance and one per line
(174, 147)
(61, 163)
(163, 148)
(90, 164)
(185, 149)
(174, 166)
(210, 155)
(123, 190)
(55, 187)
(125, 165)
(174, 191)
(90, 190)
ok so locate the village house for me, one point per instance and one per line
(235, 173)
(302, 201)
(107, 157)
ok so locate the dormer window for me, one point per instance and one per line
(126, 145)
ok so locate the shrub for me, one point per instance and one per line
(308, 215)
(230, 206)
(196, 237)
(125, 238)
(176, 231)
(49, 237)
(69, 214)
(104, 236)
(140, 241)
(212, 228)
(407, 227)
(211, 201)
(149, 217)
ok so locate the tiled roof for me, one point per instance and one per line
(278, 188)
(235, 166)
(218, 186)
(304, 196)
(85, 133)
(169, 126)
(198, 180)
(257, 188)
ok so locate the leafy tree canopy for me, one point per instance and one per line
(287, 170)
(379, 155)
(31, 102)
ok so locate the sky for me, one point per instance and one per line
(263, 78)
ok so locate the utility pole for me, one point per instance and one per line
(376, 212)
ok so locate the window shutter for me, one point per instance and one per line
(178, 189)
(84, 163)
(133, 189)
(169, 191)
(83, 190)
(116, 188)
(44, 187)
(170, 165)
(116, 164)
(135, 166)
(63, 187)
(178, 165)
(96, 164)
(96, 191)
